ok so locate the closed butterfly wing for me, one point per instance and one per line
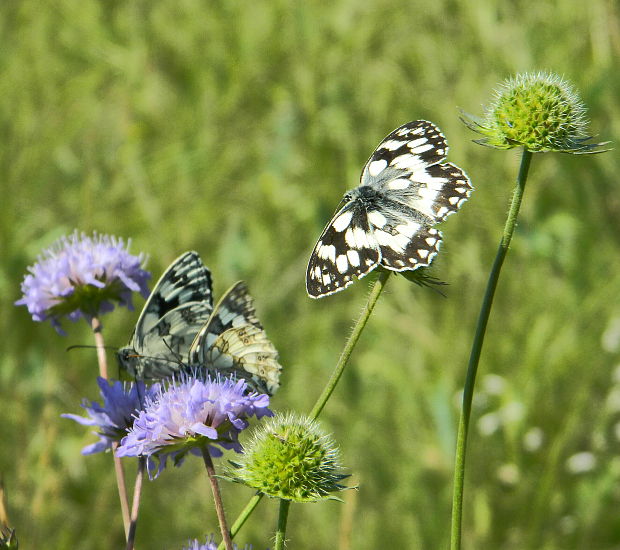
(176, 310)
(233, 342)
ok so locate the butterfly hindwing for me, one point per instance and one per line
(345, 249)
(247, 353)
(234, 342)
(405, 189)
(179, 305)
(405, 239)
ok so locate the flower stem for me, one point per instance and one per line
(282, 519)
(101, 358)
(243, 516)
(135, 505)
(118, 467)
(351, 342)
(331, 385)
(217, 498)
(474, 358)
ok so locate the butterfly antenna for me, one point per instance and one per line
(87, 346)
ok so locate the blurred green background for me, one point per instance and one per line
(233, 128)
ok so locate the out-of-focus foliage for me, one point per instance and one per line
(234, 128)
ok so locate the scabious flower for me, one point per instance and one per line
(189, 413)
(291, 458)
(121, 402)
(209, 544)
(539, 111)
(82, 276)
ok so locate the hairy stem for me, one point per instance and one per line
(135, 505)
(243, 516)
(474, 358)
(217, 499)
(351, 342)
(331, 384)
(101, 358)
(118, 467)
(282, 519)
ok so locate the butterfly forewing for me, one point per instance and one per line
(180, 304)
(186, 280)
(405, 189)
(234, 342)
(411, 146)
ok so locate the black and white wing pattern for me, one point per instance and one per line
(179, 306)
(233, 342)
(405, 189)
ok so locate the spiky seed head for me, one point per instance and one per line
(290, 457)
(539, 111)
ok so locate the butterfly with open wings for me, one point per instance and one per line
(179, 329)
(405, 189)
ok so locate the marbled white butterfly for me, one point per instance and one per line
(179, 329)
(405, 189)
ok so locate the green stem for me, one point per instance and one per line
(351, 342)
(474, 358)
(331, 384)
(281, 530)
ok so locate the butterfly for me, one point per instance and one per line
(405, 189)
(180, 330)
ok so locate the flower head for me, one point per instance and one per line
(189, 413)
(121, 402)
(539, 111)
(290, 457)
(82, 276)
(209, 544)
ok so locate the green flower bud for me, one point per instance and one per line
(291, 458)
(538, 111)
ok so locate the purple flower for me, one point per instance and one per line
(209, 544)
(81, 276)
(188, 413)
(121, 402)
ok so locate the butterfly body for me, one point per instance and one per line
(388, 219)
(180, 330)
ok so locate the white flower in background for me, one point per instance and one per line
(533, 439)
(493, 384)
(509, 473)
(581, 463)
(489, 423)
